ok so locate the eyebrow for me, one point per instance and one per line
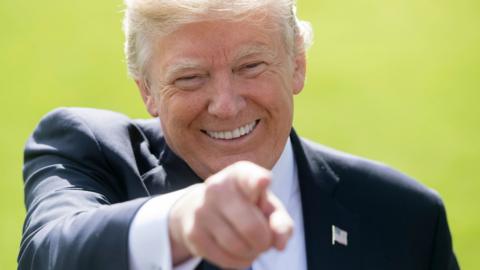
(181, 65)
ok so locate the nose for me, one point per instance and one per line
(226, 100)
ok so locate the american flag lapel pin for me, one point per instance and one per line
(339, 236)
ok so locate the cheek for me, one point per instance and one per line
(272, 91)
(176, 116)
(166, 101)
(178, 111)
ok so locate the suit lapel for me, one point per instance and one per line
(321, 211)
(170, 174)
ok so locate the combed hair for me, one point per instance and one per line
(146, 20)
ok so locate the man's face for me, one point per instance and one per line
(224, 93)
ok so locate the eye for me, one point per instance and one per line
(189, 82)
(253, 69)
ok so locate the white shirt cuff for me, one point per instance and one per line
(149, 241)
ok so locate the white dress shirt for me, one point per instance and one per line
(149, 243)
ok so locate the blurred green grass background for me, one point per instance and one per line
(396, 81)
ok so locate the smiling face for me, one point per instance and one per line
(223, 92)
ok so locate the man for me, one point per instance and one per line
(219, 179)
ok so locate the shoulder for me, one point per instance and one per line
(96, 121)
(101, 125)
(361, 182)
(86, 134)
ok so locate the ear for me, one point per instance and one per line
(147, 97)
(299, 70)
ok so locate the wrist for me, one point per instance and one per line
(177, 221)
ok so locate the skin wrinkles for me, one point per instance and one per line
(210, 77)
(183, 67)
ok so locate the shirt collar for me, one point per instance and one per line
(284, 175)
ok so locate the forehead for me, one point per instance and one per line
(218, 40)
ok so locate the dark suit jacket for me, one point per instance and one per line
(88, 171)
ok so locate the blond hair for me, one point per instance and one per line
(147, 19)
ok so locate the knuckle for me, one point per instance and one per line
(203, 250)
(223, 258)
(219, 190)
(225, 237)
(234, 243)
(199, 214)
(240, 249)
(260, 238)
(213, 189)
(215, 186)
(194, 236)
(230, 241)
(250, 229)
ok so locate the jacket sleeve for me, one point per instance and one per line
(443, 257)
(78, 213)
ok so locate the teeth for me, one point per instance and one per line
(236, 133)
(232, 134)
